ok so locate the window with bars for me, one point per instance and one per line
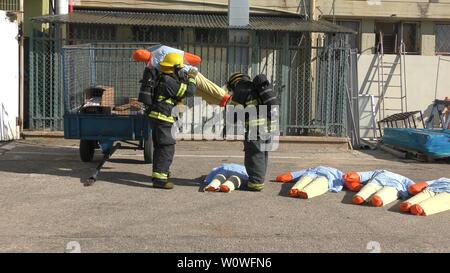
(410, 35)
(84, 32)
(212, 36)
(442, 39)
(10, 5)
(393, 33)
(353, 40)
(156, 34)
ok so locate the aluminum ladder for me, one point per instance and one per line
(391, 82)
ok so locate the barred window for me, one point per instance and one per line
(214, 36)
(394, 33)
(92, 32)
(443, 39)
(352, 40)
(410, 36)
(156, 34)
(9, 5)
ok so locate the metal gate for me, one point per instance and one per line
(310, 80)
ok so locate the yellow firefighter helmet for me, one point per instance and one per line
(171, 60)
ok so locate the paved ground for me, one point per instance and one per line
(43, 205)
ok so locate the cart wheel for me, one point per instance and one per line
(148, 150)
(87, 150)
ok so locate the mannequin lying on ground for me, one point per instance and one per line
(226, 178)
(313, 182)
(430, 197)
(379, 187)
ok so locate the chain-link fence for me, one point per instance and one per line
(105, 66)
(45, 82)
(309, 80)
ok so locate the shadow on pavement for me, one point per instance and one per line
(395, 207)
(285, 187)
(380, 154)
(200, 183)
(348, 197)
(65, 162)
(126, 161)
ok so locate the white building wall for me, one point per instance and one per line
(427, 78)
(9, 79)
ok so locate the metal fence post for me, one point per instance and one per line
(284, 88)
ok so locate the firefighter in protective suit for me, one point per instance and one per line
(172, 85)
(259, 128)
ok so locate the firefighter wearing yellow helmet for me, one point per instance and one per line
(172, 85)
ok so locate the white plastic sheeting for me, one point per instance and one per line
(9, 78)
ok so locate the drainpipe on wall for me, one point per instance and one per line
(21, 68)
(312, 10)
(62, 7)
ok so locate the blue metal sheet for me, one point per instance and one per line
(103, 127)
(435, 143)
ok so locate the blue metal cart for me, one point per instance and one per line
(104, 119)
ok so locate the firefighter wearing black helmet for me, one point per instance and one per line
(254, 93)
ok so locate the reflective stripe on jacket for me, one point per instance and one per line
(169, 91)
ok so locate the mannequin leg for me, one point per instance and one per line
(208, 90)
(384, 196)
(317, 187)
(366, 192)
(215, 183)
(303, 182)
(438, 203)
(232, 183)
(422, 196)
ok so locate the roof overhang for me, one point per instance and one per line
(195, 20)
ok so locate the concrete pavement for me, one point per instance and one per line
(43, 205)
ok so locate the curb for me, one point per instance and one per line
(283, 139)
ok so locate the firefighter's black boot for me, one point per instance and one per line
(255, 186)
(162, 184)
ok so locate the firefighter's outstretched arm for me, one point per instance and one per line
(179, 90)
(191, 86)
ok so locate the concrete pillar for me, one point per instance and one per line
(285, 67)
(367, 36)
(427, 38)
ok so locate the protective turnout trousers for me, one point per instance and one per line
(256, 159)
(164, 149)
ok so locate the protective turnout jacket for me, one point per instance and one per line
(387, 178)
(169, 90)
(228, 170)
(246, 94)
(334, 176)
